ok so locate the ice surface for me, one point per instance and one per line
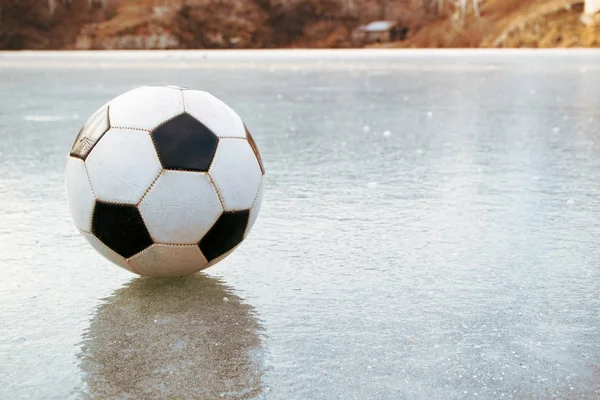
(465, 274)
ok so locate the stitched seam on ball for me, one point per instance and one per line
(176, 244)
(135, 255)
(212, 182)
(253, 153)
(160, 161)
(185, 112)
(201, 252)
(154, 143)
(87, 174)
(222, 256)
(149, 188)
(234, 210)
(258, 163)
(194, 171)
(93, 194)
(252, 208)
(132, 267)
(91, 219)
(165, 121)
(116, 202)
(211, 131)
(131, 129)
(183, 100)
(168, 245)
(257, 193)
(139, 253)
(212, 160)
(112, 251)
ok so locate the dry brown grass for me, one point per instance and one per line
(555, 28)
(295, 23)
(511, 23)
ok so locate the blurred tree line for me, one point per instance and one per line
(54, 24)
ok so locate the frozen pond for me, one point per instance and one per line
(430, 230)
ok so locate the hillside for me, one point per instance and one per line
(120, 24)
(189, 24)
(512, 23)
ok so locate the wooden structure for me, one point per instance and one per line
(379, 32)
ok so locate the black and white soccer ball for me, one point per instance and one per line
(164, 181)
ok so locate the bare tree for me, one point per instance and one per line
(51, 6)
(462, 6)
(350, 6)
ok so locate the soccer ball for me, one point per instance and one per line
(164, 181)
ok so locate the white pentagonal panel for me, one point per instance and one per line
(214, 114)
(106, 252)
(236, 174)
(162, 260)
(145, 107)
(254, 211)
(123, 165)
(79, 194)
(221, 257)
(181, 207)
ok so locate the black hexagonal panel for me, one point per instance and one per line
(121, 228)
(225, 234)
(254, 149)
(91, 132)
(184, 143)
